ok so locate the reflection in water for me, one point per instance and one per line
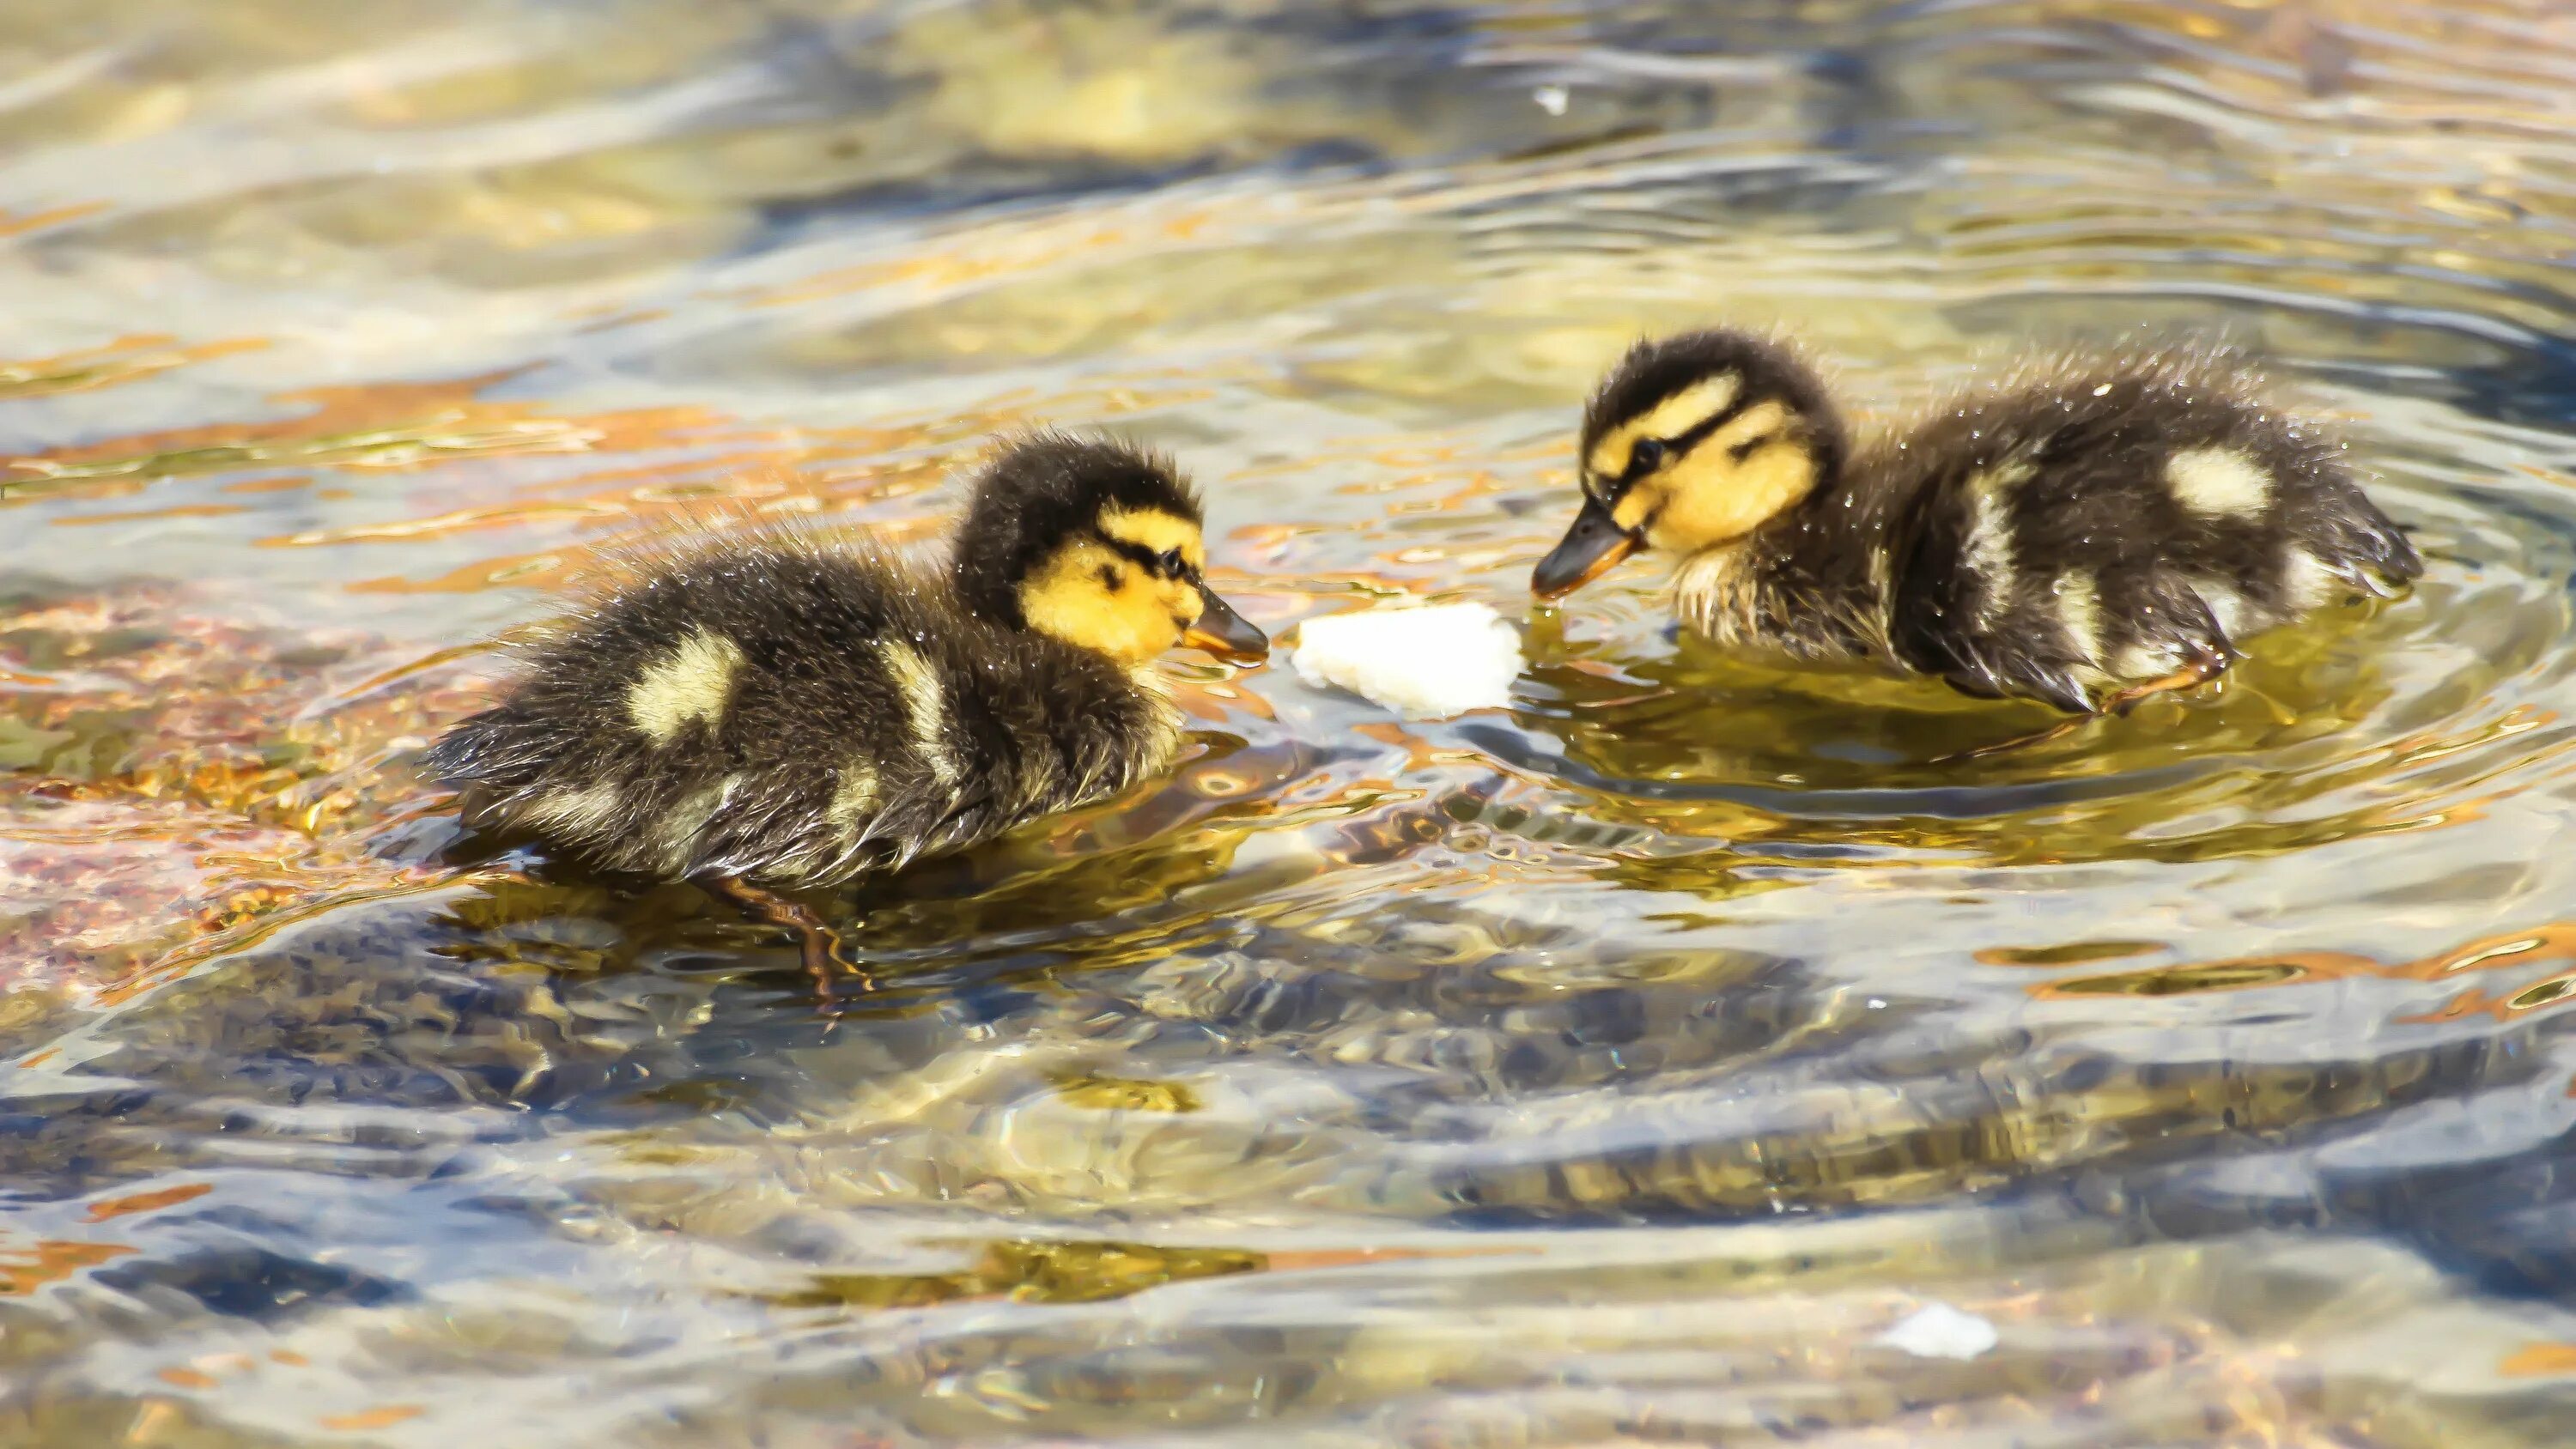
(1612, 1069)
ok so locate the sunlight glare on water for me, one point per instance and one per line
(1620, 1068)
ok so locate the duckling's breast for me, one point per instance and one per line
(1812, 585)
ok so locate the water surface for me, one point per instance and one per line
(1609, 1070)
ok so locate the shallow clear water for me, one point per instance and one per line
(1613, 1070)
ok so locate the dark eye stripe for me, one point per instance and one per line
(1683, 442)
(1157, 564)
(1745, 449)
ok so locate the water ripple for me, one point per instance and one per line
(1612, 1068)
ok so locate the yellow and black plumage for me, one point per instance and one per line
(2100, 530)
(787, 709)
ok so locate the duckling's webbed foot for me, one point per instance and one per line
(2195, 672)
(818, 946)
(2203, 665)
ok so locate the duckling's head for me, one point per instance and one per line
(1097, 544)
(1690, 442)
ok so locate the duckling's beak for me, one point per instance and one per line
(1591, 548)
(1224, 633)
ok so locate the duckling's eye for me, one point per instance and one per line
(1169, 562)
(1647, 456)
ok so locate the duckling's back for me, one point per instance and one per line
(795, 713)
(2114, 522)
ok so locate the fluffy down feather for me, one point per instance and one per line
(793, 709)
(2093, 527)
(2141, 515)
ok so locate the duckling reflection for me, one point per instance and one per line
(782, 709)
(2100, 531)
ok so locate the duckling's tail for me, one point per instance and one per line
(2362, 546)
(475, 759)
(456, 759)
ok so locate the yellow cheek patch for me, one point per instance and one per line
(1710, 464)
(1071, 598)
(1154, 531)
(1637, 505)
(1713, 497)
(1670, 418)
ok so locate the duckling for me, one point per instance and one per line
(2105, 530)
(779, 709)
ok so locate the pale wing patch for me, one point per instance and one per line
(681, 828)
(1989, 554)
(2306, 583)
(2218, 483)
(691, 683)
(1155, 530)
(2079, 611)
(1882, 593)
(2147, 661)
(581, 812)
(2000, 479)
(1670, 418)
(854, 800)
(2225, 605)
(925, 707)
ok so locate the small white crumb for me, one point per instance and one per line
(1551, 99)
(1422, 663)
(1940, 1331)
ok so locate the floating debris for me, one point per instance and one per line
(1938, 1330)
(1423, 663)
